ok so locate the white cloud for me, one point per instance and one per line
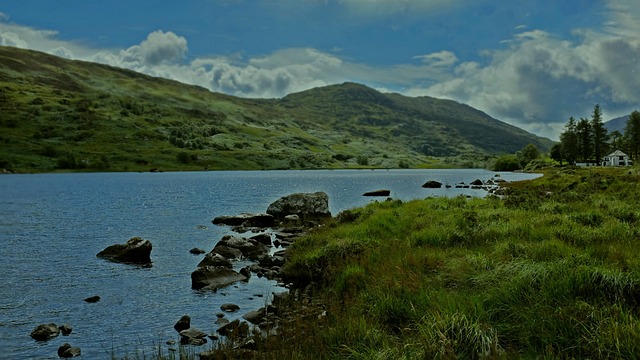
(442, 58)
(539, 81)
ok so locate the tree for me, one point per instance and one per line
(598, 134)
(583, 134)
(529, 153)
(617, 140)
(556, 153)
(569, 142)
(632, 134)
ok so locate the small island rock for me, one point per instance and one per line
(377, 193)
(135, 251)
(432, 184)
(45, 332)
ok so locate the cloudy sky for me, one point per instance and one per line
(531, 63)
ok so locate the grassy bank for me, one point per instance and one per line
(550, 271)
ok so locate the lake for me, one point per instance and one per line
(53, 225)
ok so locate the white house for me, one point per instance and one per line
(617, 158)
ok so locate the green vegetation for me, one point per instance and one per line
(550, 271)
(63, 115)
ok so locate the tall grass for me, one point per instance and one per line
(552, 271)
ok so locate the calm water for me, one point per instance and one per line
(53, 225)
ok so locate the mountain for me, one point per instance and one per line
(66, 114)
(617, 124)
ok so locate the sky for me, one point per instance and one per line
(530, 63)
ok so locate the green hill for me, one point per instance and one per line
(62, 114)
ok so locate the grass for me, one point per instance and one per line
(552, 271)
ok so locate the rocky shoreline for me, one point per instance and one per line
(284, 221)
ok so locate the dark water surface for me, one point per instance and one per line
(53, 225)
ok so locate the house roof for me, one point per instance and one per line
(617, 153)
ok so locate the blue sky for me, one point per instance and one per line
(531, 63)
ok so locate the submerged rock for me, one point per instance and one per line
(135, 251)
(377, 193)
(92, 299)
(246, 220)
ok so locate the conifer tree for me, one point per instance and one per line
(598, 134)
(585, 140)
(632, 134)
(569, 142)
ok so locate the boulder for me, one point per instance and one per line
(227, 252)
(246, 271)
(65, 329)
(135, 251)
(197, 251)
(183, 324)
(308, 206)
(477, 182)
(264, 239)
(432, 184)
(229, 307)
(246, 220)
(255, 317)
(45, 332)
(377, 193)
(234, 328)
(92, 299)
(212, 278)
(193, 336)
(215, 259)
(68, 351)
(249, 248)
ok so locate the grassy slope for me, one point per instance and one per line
(58, 113)
(550, 271)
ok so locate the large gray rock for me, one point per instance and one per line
(135, 251)
(308, 206)
(213, 278)
(45, 332)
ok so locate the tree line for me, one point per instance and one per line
(587, 140)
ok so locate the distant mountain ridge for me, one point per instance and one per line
(617, 124)
(64, 114)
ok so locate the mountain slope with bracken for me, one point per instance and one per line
(60, 114)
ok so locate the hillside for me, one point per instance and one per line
(617, 124)
(61, 114)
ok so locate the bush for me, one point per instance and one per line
(506, 163)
